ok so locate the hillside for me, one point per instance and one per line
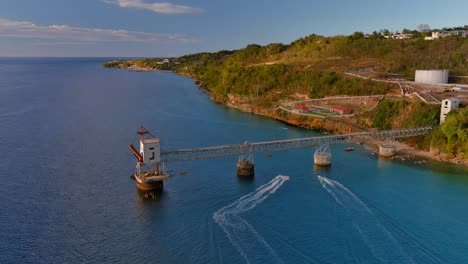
(259, 78)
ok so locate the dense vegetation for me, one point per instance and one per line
(452, 136)
(315, 66)
(401, 114)
(260, 80)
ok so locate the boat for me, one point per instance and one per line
(150, 174)
(349, 149)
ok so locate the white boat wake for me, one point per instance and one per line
(377, 238)
(241, 234)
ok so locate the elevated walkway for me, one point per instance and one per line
(277, 145)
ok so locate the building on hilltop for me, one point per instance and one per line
(448, 105)
(443, 34)
(403, 36)
(399, 36)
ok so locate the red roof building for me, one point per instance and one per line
(340, 109)
(301, 108)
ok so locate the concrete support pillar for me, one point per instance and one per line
(322, 156)
(245, 164)
(387, 151)
(245, 168)
(322, 159)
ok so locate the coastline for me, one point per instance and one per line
(403, 150)
(338, 126)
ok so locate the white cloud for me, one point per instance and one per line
(165, 8)
(23, 29)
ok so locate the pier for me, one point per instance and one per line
(150, 152)
(322, 154)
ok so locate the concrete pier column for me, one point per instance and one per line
(245, 164)
(245, 168)
(322, 156)
(322, 159)
(387, 151)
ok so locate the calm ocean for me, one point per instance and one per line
(66, 195)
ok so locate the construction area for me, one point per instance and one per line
(437, 93)
(429, 86)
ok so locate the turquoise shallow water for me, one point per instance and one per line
(66, 194)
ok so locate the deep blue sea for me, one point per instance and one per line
(66, 195)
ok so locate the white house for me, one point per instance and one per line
(448, 105)
(443, 34)
(399, 36)
(402, 36)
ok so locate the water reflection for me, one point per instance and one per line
(245, 179)
(450, 171)
(322, 169)
(432, 165)
(149, 196)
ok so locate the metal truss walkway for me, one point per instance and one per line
(277, 145)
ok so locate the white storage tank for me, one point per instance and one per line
(431, 76)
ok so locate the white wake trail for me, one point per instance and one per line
(378, 239)
(242, 235)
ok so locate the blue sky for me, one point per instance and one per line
(176, 27)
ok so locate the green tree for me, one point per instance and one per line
(406, 31)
